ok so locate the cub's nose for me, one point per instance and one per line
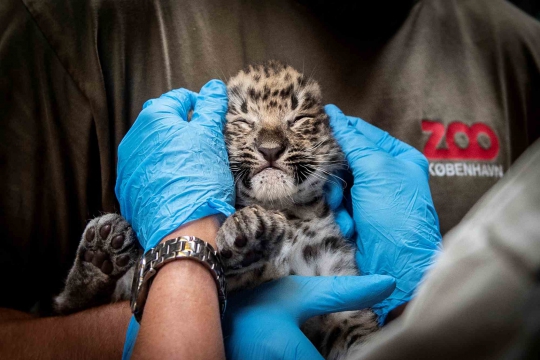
(271, 152)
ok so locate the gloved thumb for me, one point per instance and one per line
(344, 221)
(211, 105)
(355, 145)
(330, 294)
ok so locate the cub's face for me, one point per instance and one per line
(280, 144)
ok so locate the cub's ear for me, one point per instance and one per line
(237, 98)
(310, 96)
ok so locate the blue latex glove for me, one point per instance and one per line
(264, 323)
(334, 196)
(171, 171)
(396, 223)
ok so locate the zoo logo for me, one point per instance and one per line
(477, 142)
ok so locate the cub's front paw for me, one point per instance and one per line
(107, 250)
(249, 237)
(108, 245)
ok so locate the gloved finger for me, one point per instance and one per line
(177, 102)
(380, 139)
(338, 120)
(328, 294)
(333, 191)
(353, 143)
(344, 221)
(211, 105)
(388, 143)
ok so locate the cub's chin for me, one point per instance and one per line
(273, 186)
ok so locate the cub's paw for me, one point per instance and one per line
(108, 246)
(250, 237)
(107, 250)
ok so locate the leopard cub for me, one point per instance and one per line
(281, 153)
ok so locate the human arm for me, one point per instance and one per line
(103, 332)
(96, 333)
(183, 290)
(99, 332)
(171, 174)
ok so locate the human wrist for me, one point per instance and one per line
(205, 229)
(187, 243)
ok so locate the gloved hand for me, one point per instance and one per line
(396, 223)
(171, 171)
(264, 323)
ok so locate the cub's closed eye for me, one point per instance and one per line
(298, 119)
(242, 121)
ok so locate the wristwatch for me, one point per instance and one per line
(181, 248)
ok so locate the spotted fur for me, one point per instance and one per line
(281, 152)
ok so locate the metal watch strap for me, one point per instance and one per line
(184, 247)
